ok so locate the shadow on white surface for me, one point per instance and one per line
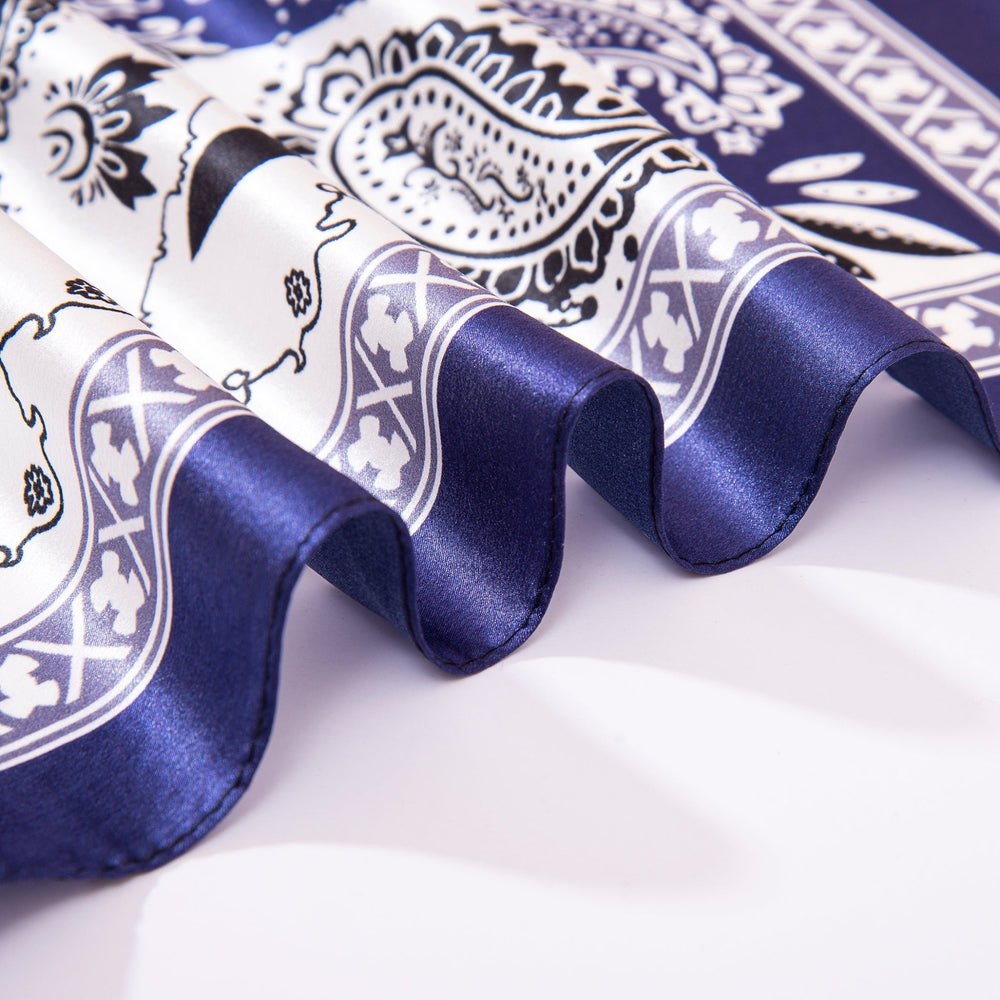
(478, 769)
(775, 783)
(891, 523)
(455, 931)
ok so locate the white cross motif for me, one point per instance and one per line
(674, 335)
(686, 277)
(135, 399)
(123, 528)
(386, 455)
(919, 104)
(829, 37)
(381, 332)
(188, 376)
(118, 465)
(421, 281)
(76, 650)
(23, 692)
(958, 137)
(897, 82)
(385, 394)
(724, 221)
(958, 326)
(124, 594)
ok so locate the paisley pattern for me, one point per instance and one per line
(552, 196)
(678, 62)
(498, 157)
(362, 361)
(474, 145)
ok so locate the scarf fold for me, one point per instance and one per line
(351, 286)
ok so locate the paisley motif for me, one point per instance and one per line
(677, 62)
(479, 149)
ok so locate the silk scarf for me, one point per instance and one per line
(350, 285)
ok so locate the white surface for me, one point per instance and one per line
(779, 783)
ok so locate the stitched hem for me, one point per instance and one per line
(546, 583)
(801, 503)
(255, 749)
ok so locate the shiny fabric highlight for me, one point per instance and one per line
(395, 387)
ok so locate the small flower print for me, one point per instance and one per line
(297, 292)
(37, 490)
(77, 286)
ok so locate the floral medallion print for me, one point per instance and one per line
(92, 128)
(297, 292)
(38, 496)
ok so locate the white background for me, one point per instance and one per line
(779, 783)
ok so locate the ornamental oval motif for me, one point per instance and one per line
(478, 148)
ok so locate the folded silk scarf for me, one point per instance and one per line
(348, 286)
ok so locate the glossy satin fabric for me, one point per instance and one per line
(514, 401)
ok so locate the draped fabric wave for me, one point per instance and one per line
(292, 283)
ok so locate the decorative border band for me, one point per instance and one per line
(932, 113)
(98, 641)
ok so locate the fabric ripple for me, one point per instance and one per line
(425, 263)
